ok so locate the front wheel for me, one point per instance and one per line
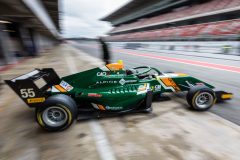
(58, 113)
(201, 98)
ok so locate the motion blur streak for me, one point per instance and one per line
(102, 144)
(185, 61)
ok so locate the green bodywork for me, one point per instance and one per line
(115, 90)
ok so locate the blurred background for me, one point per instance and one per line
(196, 37)
(28, 27)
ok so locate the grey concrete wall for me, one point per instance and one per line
(29, 43)
(6, 54)
(44, 42)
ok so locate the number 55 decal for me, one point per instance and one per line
(27, 93)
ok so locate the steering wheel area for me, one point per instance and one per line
(142, 71)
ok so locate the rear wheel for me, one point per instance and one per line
(58, 113)
(201, 98)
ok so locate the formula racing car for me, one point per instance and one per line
(105, 91)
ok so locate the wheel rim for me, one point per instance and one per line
(204, 100)
(54, 116)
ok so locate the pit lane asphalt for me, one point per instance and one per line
(170, 132)
(222, 80)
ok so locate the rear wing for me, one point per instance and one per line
(32, 87)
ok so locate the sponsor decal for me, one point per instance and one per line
(66, 86)
(114, 108)
(130, 81)
(27, 92)
(117, 75)
(101, 73)
(106, 82)
(157, 87)
(94, 95)
(36, 100)
(123, 81)
(142, 89)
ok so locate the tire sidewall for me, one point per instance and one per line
(194, 92)
(62, 101)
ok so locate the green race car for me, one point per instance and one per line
(106, 91)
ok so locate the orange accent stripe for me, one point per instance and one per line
(101, 107)
(170, 83)
(167, 82)
(60, 88)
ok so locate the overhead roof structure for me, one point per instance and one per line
(139, 8)
(52, 7)
(42, 15)
(126, 8)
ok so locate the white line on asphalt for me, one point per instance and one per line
(102, 143)
(103, 146)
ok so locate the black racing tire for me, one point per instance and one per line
(57, 113)
(201, 98)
